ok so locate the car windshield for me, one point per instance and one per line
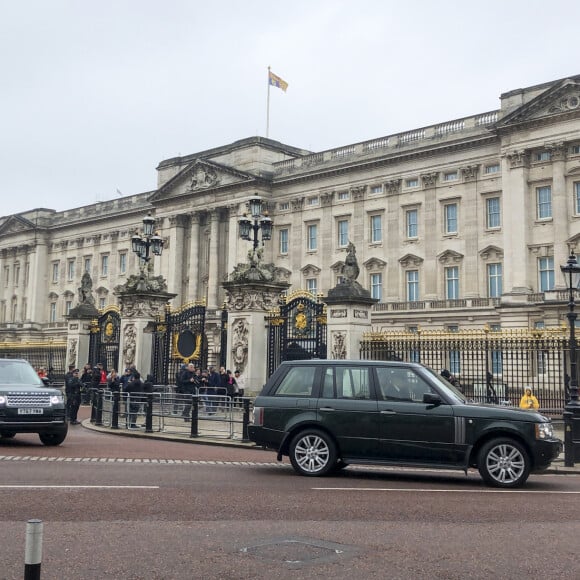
(18, 373)
(452, 392)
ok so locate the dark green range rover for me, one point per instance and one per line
(27, 405)
(326, 414)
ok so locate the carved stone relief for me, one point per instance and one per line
(240, 339)
(338, 348)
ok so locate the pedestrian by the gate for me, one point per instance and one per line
(528, 401)
(134, 399)
(73, 387)
(241, 382)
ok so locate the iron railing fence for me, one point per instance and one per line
(49, 355)
(164, 411)
(490, 366)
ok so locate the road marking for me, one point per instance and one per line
(427, 490)
(79, 487)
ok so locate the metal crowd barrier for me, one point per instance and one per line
(199, 415)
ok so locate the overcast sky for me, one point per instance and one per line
(96, 93)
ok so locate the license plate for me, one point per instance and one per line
(30, 411)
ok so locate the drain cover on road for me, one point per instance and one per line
(299, 551)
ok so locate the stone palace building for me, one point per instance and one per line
(457, 225)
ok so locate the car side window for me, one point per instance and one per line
(342, 382)
(298, 382)
(398, 384)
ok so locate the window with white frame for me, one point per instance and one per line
(546, 273)
(412, 277)
(52, 312)
(376, 229)
(376, 286)
(375, 189)
(105, 265)
(452, 283)
(88, 265)
(544, 202)
(343, 195)
(542, 156)
(283, 240)
(575, 149)
(70, 270)
(494, 168)
(577, 197)
(122, 262)
(412, 223)
(450, 176)
(492, 213)
(67, 307)
(412, 182)
(102, 302)
(55, 268)
(494, 280)
(312, 237)
(285, 205)
(312, 201)
(342, 227)
(312, 285)
(450, 218)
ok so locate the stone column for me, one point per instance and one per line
(194, 259)
(213, 282)
(248, 303)
(38, 282)
(470, 266)
(560, 204)
(79, 333)
(176, 271)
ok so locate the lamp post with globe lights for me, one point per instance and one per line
(256, 221)
(146, 245)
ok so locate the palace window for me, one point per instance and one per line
(450, 176)
(55, 268)
(67, 307)
(88, 265)
(52, 312)
(123, 263)
(342, 226)
(312, 238)
(376, 229)
(542, 156)
(70, 270)
(312, 285)
(283, 238)
(412, 223)
(343, 195)
(450, 211)
(284, 206)
(495, 168)
(412, 277)
(546, 273)
(105, 265)
(413, 182)
(494, 280)
(312, 200)
(102, 303)
(452, 283)
(544, 202)
(377, 286)
(577, 197)
(492, 212)
(375, 189)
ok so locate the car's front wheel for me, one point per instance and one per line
(52, 439)
(504, 463)
(312, 453)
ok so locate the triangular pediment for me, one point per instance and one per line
(410, 260)
(562, 98)
(200, 176)
(374, 264)
(491, 253)
(310, 270)
(337, 266)
(450, 257)
(15, 224)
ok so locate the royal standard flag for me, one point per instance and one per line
(276, 81)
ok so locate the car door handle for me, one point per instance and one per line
(388, 412)
(327, 409)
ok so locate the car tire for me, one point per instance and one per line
(52, 439)
(7, 434)
(313, 453)
(339, 466)
(504, 462)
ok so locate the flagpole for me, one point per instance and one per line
(268, 107)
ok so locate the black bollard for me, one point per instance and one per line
(33, 550)
(149, 414)
(116, 407)
(194, 416)
(99, 413)
(246, 420)
(93, 400)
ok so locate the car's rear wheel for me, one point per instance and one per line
(7, 434)
(504, 463)
(52, 439)
(313, 453)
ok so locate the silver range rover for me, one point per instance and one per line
(28, 405)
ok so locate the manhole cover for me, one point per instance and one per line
(298, 551)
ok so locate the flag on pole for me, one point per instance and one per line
(276, 81)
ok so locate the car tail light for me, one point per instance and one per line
(258, 416)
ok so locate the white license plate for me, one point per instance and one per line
(30, 411)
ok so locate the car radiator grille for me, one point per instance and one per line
(27, 400)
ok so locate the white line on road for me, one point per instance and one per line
(426, 490)
(79, 487)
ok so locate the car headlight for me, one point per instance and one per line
(2, 400)
(544, 430)
(56, 399)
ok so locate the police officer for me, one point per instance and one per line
(73, 387)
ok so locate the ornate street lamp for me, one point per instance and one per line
(148, 242)
(256, 221)
(571, 272)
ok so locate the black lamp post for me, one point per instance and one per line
(256, 221)
(147, 244)
(571, 272)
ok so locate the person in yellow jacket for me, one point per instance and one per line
(528, 401)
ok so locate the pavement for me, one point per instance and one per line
(218, 433)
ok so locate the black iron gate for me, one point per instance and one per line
(297, 330)
(179, 339)
(105, 338)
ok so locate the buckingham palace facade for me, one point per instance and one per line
(457, 225)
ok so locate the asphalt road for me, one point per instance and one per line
(127, 508)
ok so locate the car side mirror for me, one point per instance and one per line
(431, 399)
